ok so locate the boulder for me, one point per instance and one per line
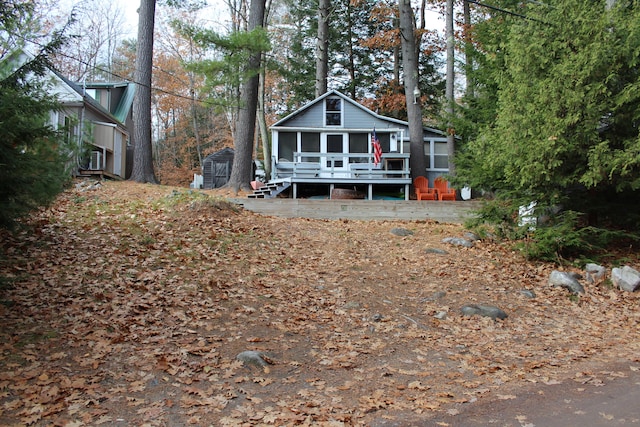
(594, 272)
(483, 310)
(626, 278)
(566, 280)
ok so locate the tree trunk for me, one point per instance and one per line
(241, 172)
(143, 150)
(350, 53)
(414, 106)
(468, 52)
(322, 47)
(451, 140)
(264, 130)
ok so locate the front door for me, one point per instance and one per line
(335, 144)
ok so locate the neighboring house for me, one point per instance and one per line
(327, 144)
(96, 117)
(100, 113)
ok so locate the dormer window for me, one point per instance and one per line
(333, 112)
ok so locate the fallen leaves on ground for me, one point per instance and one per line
(127, 305)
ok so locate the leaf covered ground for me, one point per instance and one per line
(127, 305)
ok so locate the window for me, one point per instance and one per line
(333, 112)
(440, 156)
(358, 143)
(436, 155)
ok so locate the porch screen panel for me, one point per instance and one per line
(358, 143)
(310, 143)
(385, 141)
(287, 144)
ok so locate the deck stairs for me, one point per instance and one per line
(271, 189)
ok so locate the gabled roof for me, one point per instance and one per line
(227, 151)
(87, 99)
(342, 96)
(125, 103)
(352, 102)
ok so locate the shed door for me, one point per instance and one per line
(221, 173)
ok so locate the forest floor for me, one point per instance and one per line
(127, 304)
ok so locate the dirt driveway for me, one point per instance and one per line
(609, 399)
(128, 304)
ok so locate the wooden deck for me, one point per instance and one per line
(449, 212)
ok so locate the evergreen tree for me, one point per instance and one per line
(565, 131)
(34, 157)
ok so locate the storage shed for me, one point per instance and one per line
(216, 168)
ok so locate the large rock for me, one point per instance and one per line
(566, 280)
(626, 278)
(595, 272)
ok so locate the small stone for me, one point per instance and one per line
(402, 232)
(458, 241)
(438, 295)
(483, 310)
(565, 280)
(435, 251)
(441, 315)
(528, 293)
(254, 358)
(377, 317)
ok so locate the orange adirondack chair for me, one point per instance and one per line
(422, 190)
(442, 187)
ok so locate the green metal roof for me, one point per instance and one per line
(126, 102)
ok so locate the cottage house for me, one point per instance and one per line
(96, 119)
(103, 114)
(328, 144)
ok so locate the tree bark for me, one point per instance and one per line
(414, 105)
(264, 130)
(143, 150)
(451, 139)
(241, 172)
(468, 52)
(322, 47)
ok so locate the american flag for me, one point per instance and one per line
(377, 148)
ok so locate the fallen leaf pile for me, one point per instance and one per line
(128, 305)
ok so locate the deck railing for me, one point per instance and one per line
(357, 166)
